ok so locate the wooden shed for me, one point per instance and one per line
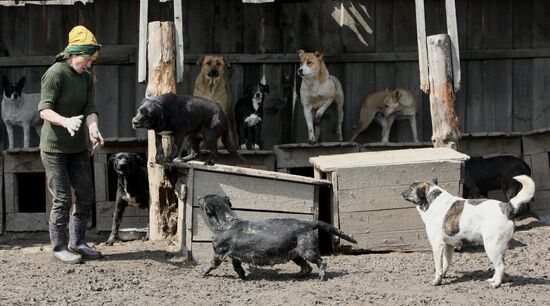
(366, 190)
(255, 194)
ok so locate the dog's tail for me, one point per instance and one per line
(525, 194)
(332, 230)
(228, 140)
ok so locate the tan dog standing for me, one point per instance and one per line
(386, 106)
(317, 92)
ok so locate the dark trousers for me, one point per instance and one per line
(64, 170)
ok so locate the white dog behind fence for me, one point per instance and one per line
(20, 109)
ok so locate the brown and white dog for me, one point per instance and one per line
(210, 83)
(450, 220)
(317, 92)
(385, 106)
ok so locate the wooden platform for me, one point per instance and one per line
(255, 194)
(297, 155)
(366, 190)
(485, 144)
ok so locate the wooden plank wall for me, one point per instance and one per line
(369, 45)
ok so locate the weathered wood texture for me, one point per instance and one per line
(18, 162)
(297, 155)
(161, 79)
(369, 45)
(366, 200)
(536, 150)
(105, 183)
(255, 195)
(442, 96)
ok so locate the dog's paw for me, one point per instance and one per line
(110, 241)
(204, 272)
(243, 146)
(437, 281)
(256, 147)
(312, 141)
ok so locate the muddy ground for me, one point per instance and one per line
(145, 273)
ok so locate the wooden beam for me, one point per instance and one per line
(452, 30)
(422, 49)
(178, 22)
(118, 57)
(442, 99)
(142, 58)
(161, 80)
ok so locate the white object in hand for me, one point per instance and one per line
(73, 124)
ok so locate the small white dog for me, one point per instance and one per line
(20, 109)
(317, 92)
(450, 220)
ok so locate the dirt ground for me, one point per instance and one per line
(145, 273)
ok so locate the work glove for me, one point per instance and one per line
(73, 124)
(96, 138)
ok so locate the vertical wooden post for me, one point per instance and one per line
(442, 99)
(161, 79)
(422, 51)
(142, 51)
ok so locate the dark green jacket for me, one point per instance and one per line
(68, 94)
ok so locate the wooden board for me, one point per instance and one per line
(298, 155)
(24, 222)
(486, 146)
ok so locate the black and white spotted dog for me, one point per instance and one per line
(20, 109)
(249, 115)
(132, 189)
(450, 220)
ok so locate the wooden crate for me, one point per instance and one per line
(485, 144)
(536, 153)
(366, 190)
(255, 194)
(18, 162)
(105, 183)
(296, 155)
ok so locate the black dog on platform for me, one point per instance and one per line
(484, 174)
(133, 187)
(265, 242)
(249, 113)
(196, 118)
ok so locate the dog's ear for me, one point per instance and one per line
(21, 83)
(434, 180)
(112, 158)
(226, 61)
(266, 88)
(227, 201)
(248, 89)
(387, 90)
(301, 52)
(139, 159)
(199, 61)
(397, 94)
(318, 54)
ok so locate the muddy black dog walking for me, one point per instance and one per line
(265, 242)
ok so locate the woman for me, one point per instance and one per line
(66, 99)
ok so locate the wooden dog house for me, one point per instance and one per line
(366, 190)
(255, 194)
(27, 199)
(536, 150)
(105, 181)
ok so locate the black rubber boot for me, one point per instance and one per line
(77, 243)
(59, 237)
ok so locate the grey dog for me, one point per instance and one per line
(261, 243)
